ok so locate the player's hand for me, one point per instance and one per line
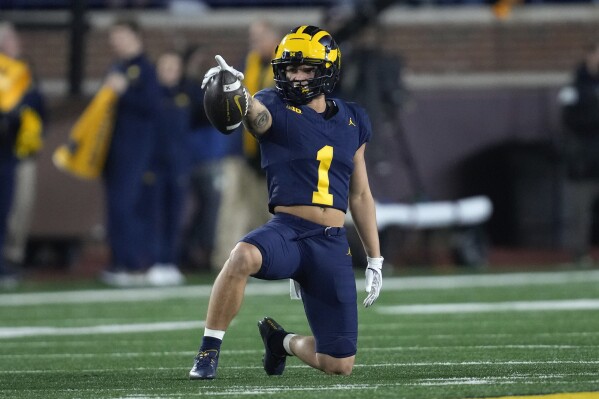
(374, 279)
(222, 66)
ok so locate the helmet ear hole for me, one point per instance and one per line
(330, 80)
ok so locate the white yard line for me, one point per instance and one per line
(381, 365)
(479, 307)
(256, 287)
(18, 332)
(254, 390)
(232, 352)
(489, 280)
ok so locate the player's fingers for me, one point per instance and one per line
(205, 81)
(369, 278)
(211, 72)
(371, 298)
(221, 62)
(368, 301)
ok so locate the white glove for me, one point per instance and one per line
(222, 65)
(374, 279)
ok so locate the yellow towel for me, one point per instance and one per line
(15, 79)
(85, 153)
(257, 76)
(29, 138)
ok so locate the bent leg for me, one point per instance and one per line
(329, 296)
(225, 301)
(227, 293)
(304, 347)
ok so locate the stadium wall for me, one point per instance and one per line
(477, 82)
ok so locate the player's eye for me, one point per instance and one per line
(307, 70)
(304, 69)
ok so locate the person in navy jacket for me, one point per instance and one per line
(134, 79)
(207, 148)
(168, 179)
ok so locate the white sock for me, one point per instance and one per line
(286, 341)
(214, 333)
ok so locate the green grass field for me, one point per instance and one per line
(476, 336)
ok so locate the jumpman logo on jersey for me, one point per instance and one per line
(348, 252)
(351, 123)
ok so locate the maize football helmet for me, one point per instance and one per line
(307, 45)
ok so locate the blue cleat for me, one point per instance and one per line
(273, 364)
(204, 365)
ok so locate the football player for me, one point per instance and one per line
(313, 154)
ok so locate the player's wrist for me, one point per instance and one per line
(375, 261)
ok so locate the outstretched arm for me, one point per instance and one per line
(257, 120)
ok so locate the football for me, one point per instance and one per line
(225, 102)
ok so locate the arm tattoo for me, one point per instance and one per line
(257, 119)
(259, 122)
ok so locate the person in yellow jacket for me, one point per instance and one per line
(244, 190)
(21, 138)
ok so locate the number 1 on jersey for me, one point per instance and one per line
(322, 196)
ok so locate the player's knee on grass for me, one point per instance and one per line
(336, 355)
(245, 259)
(336, 366)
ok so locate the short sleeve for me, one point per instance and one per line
(365, 126)
(271, 100)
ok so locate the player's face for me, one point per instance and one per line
(300, 73)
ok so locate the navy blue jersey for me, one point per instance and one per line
(309, 159)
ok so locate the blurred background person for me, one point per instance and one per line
(207, 147)
(244, 182)
(580, 113)
(167, 181)
(133, 78)
(21, 129)
(373, 77)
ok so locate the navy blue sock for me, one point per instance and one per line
(210, 343)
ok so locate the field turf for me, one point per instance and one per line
(463, 336)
